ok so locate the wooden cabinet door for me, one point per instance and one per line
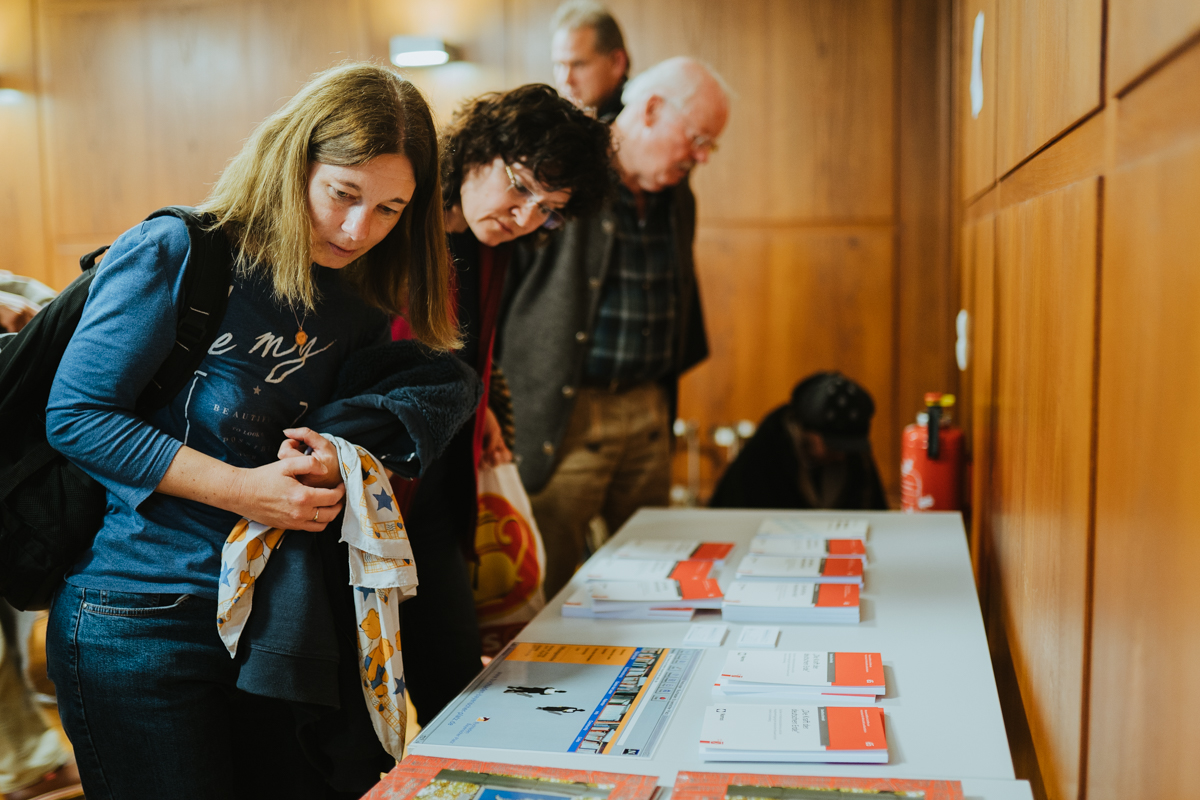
(1042, 467)
(1048, 72)
(1141, 32)
(977, 27)
(1146, 633)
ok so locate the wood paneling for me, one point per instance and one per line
(782, 304)
(1145, 709)
(979, 298)
(1162, 113)
(1046, 280)
(1141, 32)
(22, 231)
(977, 132)
(144, 102)
(1048, 67)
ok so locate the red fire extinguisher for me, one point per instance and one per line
(931, 459)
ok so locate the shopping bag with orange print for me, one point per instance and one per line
(512, 560)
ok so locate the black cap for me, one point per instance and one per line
(836, 407)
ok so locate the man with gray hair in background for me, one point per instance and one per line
(600, 321)
(591, 63)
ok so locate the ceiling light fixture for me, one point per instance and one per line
(419, 51)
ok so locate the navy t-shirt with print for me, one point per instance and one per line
(254, 381)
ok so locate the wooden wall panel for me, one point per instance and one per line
(1048, 67)
(1146, 633)
(979, 298)
(1046, 280)
(144, 102)
(1141, 32)
(812, 121)
(977, 131)
(782, 304)
(22, 231)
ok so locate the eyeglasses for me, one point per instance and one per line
(553, 219)
(700, 143)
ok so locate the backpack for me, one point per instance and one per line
(50, 509)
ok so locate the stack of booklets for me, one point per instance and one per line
(675, 550)
(742, 786)
(687, 588)
(794, 733)
(813, 677)
(804, 568)
(431, 778)
(807, 547)
(796, 603)
(632, 569)
(827, 528)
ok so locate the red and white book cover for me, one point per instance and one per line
(820, 671)
(769, 594)
(722, 785)
(826, 569)
(675, 550)
(840, 528)
(807, 547)
(794, 732)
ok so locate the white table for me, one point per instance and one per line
(919, 610)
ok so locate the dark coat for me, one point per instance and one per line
(551, 299)
(766, 474)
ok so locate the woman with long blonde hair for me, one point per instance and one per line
(333, 214)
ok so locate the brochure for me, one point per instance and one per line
(566, 698)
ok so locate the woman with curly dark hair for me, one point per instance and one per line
(514, 164)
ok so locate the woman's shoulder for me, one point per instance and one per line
(161, 237)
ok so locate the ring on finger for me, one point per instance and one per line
(316, 515)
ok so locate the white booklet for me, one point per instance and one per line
(674, 550)
(825, 570)
(773, 595)
(799, 733)
(828, 528)
(768, 670)
(807, 547)
(626, 569)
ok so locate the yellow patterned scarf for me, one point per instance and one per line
(382, 573)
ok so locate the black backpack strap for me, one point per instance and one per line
(206, 283)
(88, 260)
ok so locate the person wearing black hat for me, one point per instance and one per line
(814, 452)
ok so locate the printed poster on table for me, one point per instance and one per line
(566, 698)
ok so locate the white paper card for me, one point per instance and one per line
(758, 636)
(700, 635)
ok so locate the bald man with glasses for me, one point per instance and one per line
(601, 321)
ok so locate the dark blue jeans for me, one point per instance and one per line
(146, 691)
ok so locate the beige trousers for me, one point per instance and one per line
(28, 748)
(614, 459)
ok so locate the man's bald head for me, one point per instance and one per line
(673, 114)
